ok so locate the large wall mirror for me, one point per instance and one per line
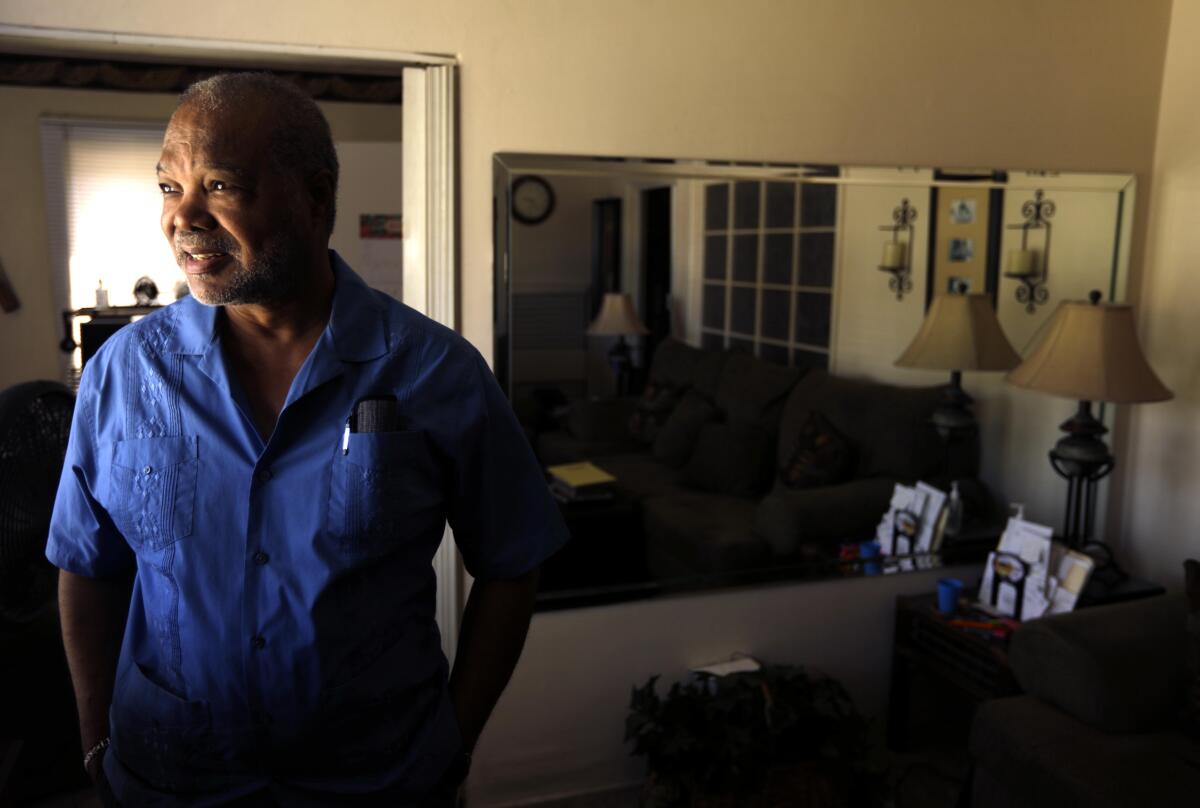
(721, 340)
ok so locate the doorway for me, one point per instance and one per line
(656, 268)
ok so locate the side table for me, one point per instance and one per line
(607, 546)
(940, 674)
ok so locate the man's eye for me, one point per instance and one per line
(165, 188)
(218, 185)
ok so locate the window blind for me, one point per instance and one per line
(104, 206)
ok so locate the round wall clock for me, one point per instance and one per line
(532, 199)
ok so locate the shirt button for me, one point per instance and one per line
(264, 475)
(259, 642)
(261, 558)
(148, 470)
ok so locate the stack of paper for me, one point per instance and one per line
(913, 521)
(1029, 575)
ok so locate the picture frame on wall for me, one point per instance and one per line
(964, 233)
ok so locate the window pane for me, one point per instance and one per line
(714, 258)
(781, 204)
(777, 258)
(816, 259)
(714, 306)
(716, 206)
(742, 311)
(745, 207)
(812, 318)
(745, 258)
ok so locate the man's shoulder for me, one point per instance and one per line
(154, 333)
(410, 330)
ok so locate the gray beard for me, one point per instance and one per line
(271, 278)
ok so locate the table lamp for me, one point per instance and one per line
(617, 318)
(960, 332)
(1089, 351)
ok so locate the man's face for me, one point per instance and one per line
(239, 226)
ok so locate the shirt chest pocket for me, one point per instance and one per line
(153, 490)
(383, 490)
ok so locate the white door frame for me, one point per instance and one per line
(432, 277)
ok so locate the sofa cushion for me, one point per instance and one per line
(1119, 668)
(888, 425)
(732, 459)
(678, 435)
(1051, 759)
(690, 532)
(820, 455)
(654, 407)
(789, 519)
(753, 390)
(681, 366)
(1191, 708)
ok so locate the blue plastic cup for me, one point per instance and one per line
(948, 590)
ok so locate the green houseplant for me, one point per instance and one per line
(777, 736)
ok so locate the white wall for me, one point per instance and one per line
(370, 177)
(1161, 524)
(558, 730)
(1071, 85)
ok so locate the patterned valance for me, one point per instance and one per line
(95, 74)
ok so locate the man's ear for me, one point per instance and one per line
(323, 194)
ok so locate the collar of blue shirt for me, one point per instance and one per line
(357, 326)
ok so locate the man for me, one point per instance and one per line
(276, 456)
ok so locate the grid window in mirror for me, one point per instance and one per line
(769, 257)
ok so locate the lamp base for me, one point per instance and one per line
(1082, 458)
(953, 414)
(620, 362)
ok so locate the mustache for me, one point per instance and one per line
(205, 245)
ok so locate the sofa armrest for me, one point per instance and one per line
(1119, 668)
(789, 517)
(602, 419)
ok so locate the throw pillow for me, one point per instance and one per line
(1191, 712)
(732, 459)
(820, 455)
(654, 407)
(678, 435)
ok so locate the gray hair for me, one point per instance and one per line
(301, 142)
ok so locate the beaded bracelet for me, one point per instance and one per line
(92, 753)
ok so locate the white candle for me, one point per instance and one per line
(1022, 262)
(893, 254)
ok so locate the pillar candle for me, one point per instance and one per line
(893, 254)
(1022, 262)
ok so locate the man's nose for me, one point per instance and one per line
(192, 212)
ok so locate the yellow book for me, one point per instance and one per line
(580, 475)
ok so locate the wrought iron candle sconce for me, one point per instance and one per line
(897, 253)
(1026, 264)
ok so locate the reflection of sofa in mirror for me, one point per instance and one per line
(739, 463)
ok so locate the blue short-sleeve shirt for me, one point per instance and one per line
(281, 629)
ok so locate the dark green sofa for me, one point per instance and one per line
(707, 478)
(1098, 723)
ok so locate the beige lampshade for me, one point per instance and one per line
(960, 332)
(617, 318)
(1090, 352)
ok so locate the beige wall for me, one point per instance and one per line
(1071, 85)
(1162, 518)
(29, 337)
